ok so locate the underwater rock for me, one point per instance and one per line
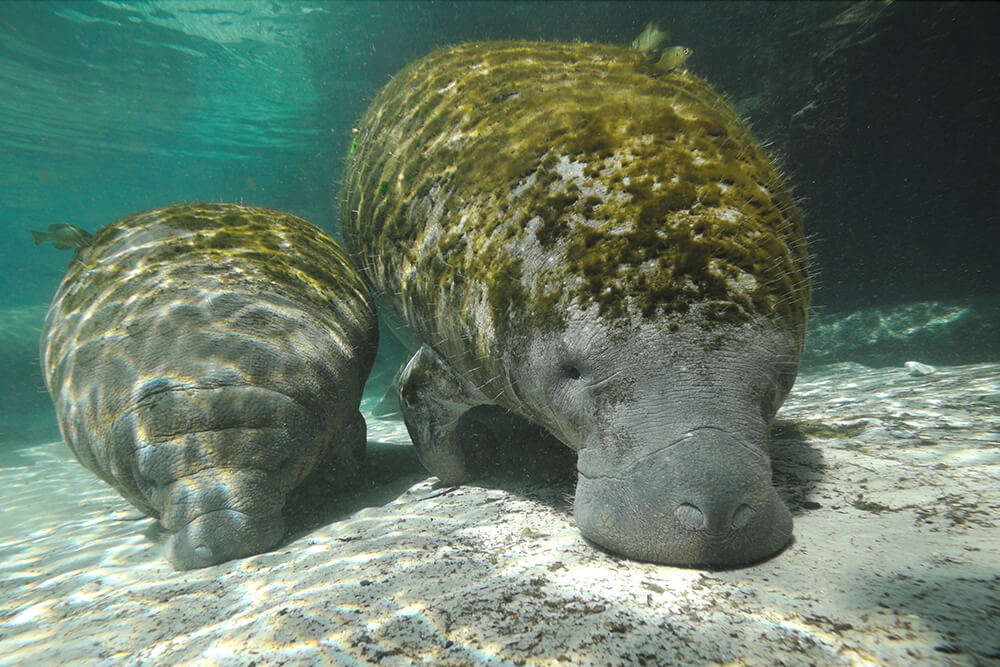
(205, 360)
(918, 369)
(597, 252)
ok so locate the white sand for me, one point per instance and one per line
(894, 482)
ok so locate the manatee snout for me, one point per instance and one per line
(705, 499)
(220, 536)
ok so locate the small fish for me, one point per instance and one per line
(674, 57)
(63, 236)
(651, 37)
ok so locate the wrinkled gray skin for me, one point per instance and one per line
(671, 430)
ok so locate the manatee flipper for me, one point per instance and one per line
(459, 434)
(247, 518)
(214, 528)
(433, 398)
(388, 403)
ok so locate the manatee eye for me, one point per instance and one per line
(571, 371)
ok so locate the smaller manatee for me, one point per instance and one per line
(207, 360)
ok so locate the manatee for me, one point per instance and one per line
(601, 250)
(207, 361)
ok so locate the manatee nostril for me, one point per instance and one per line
(742, 516)
(690, 516)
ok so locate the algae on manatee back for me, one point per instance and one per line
(648, 172)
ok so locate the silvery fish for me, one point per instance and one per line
(674, 57)
(651, 37)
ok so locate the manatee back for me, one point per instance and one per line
(204, 359)
(500, 187)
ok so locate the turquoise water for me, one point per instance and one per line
(110, 108)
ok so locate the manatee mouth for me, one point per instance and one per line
(705, 500)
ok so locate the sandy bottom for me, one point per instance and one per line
(894, 482)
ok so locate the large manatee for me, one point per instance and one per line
(599, 248)
(205, 360)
